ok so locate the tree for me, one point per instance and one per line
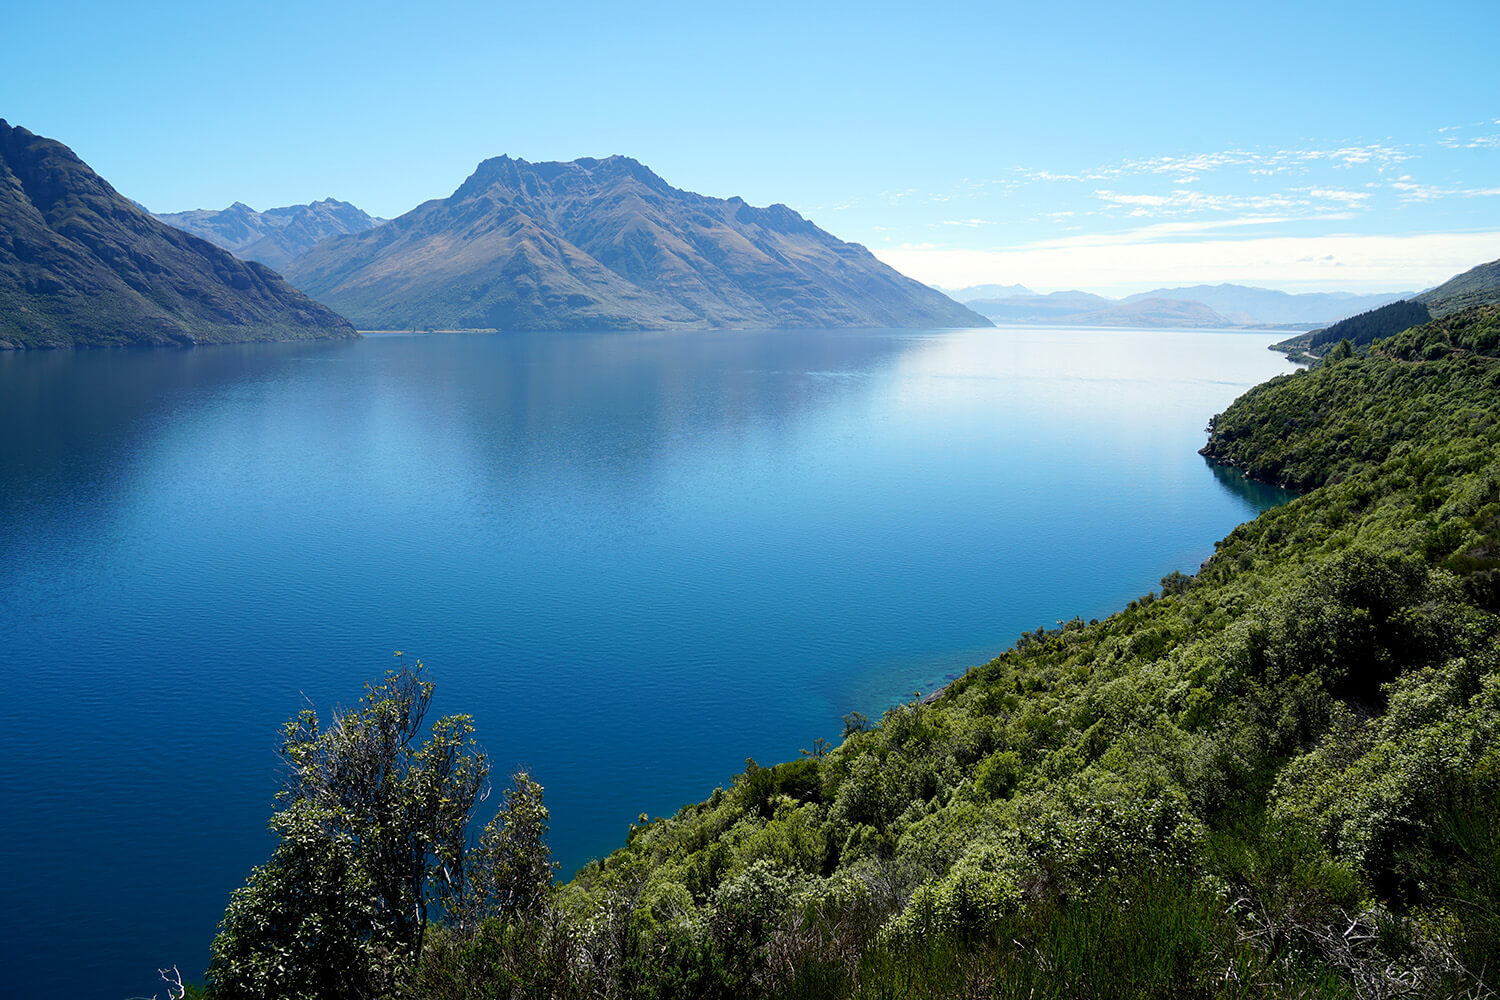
(301, 927)
(373, 834)
(511, 870)
(1341, 351)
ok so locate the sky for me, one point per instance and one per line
(1309, 146)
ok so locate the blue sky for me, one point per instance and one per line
(1103, 146)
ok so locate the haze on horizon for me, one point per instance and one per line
(1088, 146)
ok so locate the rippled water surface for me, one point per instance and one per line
(635, 559)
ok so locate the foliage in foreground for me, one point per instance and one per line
(1278, 777)
(373, 832)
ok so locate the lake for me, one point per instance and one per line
(635, 558)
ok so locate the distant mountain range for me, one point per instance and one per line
(1220, 306)
(976, 292)
(588, 244)
(276, 236)
(607, 244)
(80, 265)
(1248, 306)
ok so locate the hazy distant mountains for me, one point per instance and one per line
(607, 244)
(1247, 306)
(1086, 309)
(80, 265)
(1204, 306)
(976, 292)
(276, 236)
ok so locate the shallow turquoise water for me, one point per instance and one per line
(636, 559)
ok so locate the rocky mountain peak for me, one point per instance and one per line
(608, 244)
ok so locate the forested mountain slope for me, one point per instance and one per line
(1478, 286)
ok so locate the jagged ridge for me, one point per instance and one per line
(607, 244)
(276, 236)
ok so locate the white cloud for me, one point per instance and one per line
(1410, 191)
(1350, 198)
(1474, 142)
(1162, 232)
(1046, 175)
(1184, 201)
(1142, 260)
(1186, 169)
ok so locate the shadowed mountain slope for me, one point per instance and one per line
(82, 266)
(607, 244)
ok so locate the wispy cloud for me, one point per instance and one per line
(1188, 168)
(1142, 259)
(1308, 201)
(1159, 232)
(1472, 142)
(1410, 190)
(1353, 199)
(1448, 138)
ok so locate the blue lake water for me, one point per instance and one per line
(635, 559)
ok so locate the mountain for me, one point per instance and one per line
(1085, 309)
(82, 266)
(1217, 306)
(607, 244)
(1477, 286)
(1368, 327)
(987, 292)
(1052, 307)
(1249, 306)
(276, 236)
(1159, 312)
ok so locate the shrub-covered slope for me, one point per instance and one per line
(1479, 285)
(1302, 433)
(1278, 777)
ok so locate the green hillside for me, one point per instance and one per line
(1478, 286)
(1278, 777)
